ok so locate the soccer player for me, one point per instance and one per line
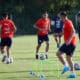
(7, 30)
(57, 30)
(43, 27)
(69, 45)
(78, 28)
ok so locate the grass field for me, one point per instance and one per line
(23, 50)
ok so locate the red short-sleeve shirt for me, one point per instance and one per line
(6, 28)
(67, 27)
(43, 24)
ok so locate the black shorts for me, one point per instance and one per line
(42, 38)
(67, 49)
(6, 42)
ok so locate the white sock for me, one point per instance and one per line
(3, 53)
(8, 59)
(37, 53)
(46, 53)
(66, 65)
(73, 72)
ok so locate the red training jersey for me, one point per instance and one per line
(44, 25)
(67, 27)
(6, 26)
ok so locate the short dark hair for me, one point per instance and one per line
(4, 14)
(63, 13)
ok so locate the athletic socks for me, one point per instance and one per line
(37, 56)
(46, 54)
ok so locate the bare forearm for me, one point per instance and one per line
(70, 38)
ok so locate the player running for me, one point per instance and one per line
(7, 30)
(43, 26)
(57, 30)
(69, 45)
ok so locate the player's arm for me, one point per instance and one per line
(14, 29)
(71, 35)
(0, 29)
(49, 28)
(35, 26)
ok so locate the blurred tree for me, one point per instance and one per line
(26, 12)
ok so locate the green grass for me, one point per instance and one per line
(23, 51)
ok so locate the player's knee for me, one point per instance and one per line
(58, 54)
(38, 45)
(69, 58)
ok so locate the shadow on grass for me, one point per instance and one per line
(26, 71)
(24, 58)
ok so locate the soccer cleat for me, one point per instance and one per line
(4, 58)
(9, 60)
(37, 56)
(46, 56)
(66, 68)
(72, 75)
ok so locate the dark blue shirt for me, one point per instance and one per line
(57, 22)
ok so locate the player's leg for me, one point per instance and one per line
(40, 40)
(59, 39)
(46, 39)
(2, 45)
(37, 50)
(60, 55)
(3, 53)
(9, 58)
(71, 49)
(56, 38)
(8, 50)
(70, 62)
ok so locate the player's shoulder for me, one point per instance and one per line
(68, 21)
(10, 21)
(40, 19)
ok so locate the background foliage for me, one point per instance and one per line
(25, 12)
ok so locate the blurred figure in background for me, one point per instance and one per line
(43, 27)
(57, 29)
